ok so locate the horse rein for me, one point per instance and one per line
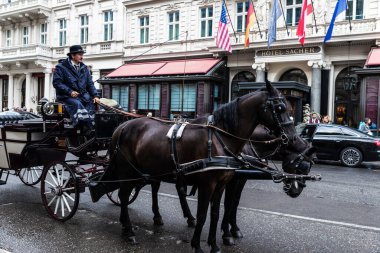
(134, 115)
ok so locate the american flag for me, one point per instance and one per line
(223, 39)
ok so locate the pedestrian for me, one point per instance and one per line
(365, 127)
(76, 90)
(314, 118)
(326, 119)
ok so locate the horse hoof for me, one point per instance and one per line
(191, 223)
(228, 241)
(215, 249)
(158, 221)
(237, 234)
(132, 240)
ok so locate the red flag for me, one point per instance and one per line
(307, 8)
(251, 19)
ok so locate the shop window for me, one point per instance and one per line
(347, 98)
(183, 99)
(5, 93)
(120, 93)
(148, 98)
(295, 75)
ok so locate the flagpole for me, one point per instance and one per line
(350, 16)
(283, 14)
(315, 20)
(258, 24)
(228, 13)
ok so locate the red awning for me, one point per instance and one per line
(373, 57)
(161, 68)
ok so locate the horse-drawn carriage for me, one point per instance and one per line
(36, 150)
(139, 145)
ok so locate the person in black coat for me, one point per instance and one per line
(75, 88)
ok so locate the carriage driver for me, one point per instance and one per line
(75, 88)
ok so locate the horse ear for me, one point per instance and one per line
(270, 88)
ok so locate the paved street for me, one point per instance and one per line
(338, 214)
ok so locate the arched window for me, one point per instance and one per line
(295, 75)
(347, 98)
(243, 76)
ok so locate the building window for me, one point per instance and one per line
(241, 13)
(293, 11)
(83, 29)
(206, 19)
(43, 33)
(183, 99)
(108, 25)
(40, 87)
(25, 35)
(148, 98)
(121, 95)
(5, 93)
(62, 32)
(295, 75)
(8, 38)
(355, 9)
(173, 25)
(144, 30)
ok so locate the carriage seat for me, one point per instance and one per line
(10, 119)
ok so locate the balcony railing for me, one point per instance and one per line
(25, 51)
(22, 5)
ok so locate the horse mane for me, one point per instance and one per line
(226, 116)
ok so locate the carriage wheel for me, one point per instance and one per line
(114, 196)
(30, 176)
(59, 191)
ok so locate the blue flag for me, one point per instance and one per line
(276, 14)
(340, 7)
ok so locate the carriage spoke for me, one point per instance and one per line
(58, 177)
(51, 201)
(56, 205)
(67, 195)
(66, 203)
(35, 171)
(31, 173)
(52, 176)
(62, 206)
(50, 183)
(27, 175)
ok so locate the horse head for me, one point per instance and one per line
(297, 153)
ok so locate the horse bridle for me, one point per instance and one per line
(277, 106)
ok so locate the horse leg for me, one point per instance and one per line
(127, 229)
(157, 219)
(235, 230)
(185, 207)
(204, 196)
(231, 189)
(214, 215)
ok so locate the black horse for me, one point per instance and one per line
(140, 145)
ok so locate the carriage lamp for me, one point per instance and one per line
(50, 109)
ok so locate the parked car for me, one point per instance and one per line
(11, 117)
(340, 143)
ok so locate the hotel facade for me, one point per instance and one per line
(170, 63)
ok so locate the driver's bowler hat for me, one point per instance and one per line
(76, 49)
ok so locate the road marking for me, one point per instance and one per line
(331, 222)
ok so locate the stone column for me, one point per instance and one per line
(28, 87)
(260, 71)
(315, 96)
(10, 92)
(47, 73)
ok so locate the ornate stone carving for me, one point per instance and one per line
(260, 66)
(317, 64)
(4, 67)
(142, 12)
(172, 7)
